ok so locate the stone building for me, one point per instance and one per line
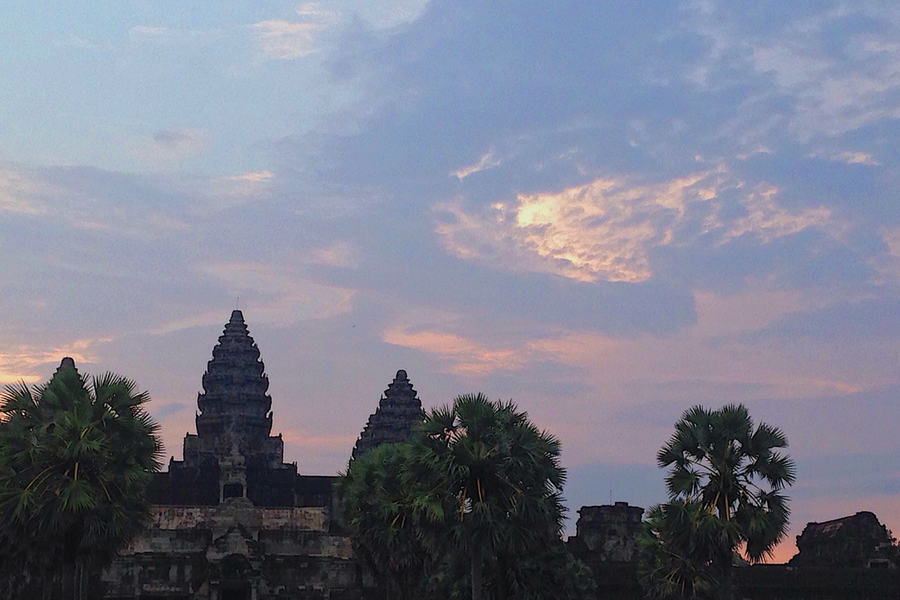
(607, 533)
(399, 410)
(858, 541)
(232, 521)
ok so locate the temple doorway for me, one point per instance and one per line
(235, 591)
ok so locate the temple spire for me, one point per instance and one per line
(234, 403)
(398, 411)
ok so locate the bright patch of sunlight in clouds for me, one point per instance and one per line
(605, 230)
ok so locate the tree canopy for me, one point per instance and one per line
(75, 458)
(725, 482)
(471, 505)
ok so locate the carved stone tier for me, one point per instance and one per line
(234, 405)
(399, 410)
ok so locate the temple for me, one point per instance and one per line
(857, 541)
(607, 533)
(399, 410)
(233, 454)
(232, 521)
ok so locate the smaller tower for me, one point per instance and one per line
(398, 411)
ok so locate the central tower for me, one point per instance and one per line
(233, 454)
(234, 405)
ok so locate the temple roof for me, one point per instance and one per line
(234, 399)
(398, 411)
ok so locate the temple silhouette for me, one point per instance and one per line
(233, 521)
(233, 454)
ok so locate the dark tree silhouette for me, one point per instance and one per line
(725, 484)
(75, 459)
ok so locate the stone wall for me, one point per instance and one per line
(234, 551)
(607, 533)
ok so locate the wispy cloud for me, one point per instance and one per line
(252, 177)
(18, 192)
(487, 161)
(466, 356)
(90, 199)
(338, 254)
(856, 158)
(605, 230)
(767, 221)
(221, 193)
(73, 41)
(20, 363)
(176, 143)
(280, 295)
(307, 439)
(169, 146)
(315, 11)
(286, 40)
(842, 75)
(173, 36)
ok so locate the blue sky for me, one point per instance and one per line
(608, 212)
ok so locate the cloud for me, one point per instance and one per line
(768, 221)
(467, 357)
(21, 363)
(339, 254)
(170, 408)
(868, 320)
(315, 11)
(169, 145)
(18, 192)
(285, 40)
(856, 158)
(277, 294)
(836, 64)
(606, 230)
(252, 177)
(91, 200)
(173, 36)
(73, 41)
(222, 193)
(148, 32)
(309, 439)
(487, 161)
(177, 143)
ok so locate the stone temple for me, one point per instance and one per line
(398, 411)
(232, 521)
(233, 454)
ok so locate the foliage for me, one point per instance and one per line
(75, 459)
(376, 505)
(724, 482)
(470, 507)
(493, 481)
(674, 562)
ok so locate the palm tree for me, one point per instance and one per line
(376, 508)
(75, 459)
(732, 471)
(674, 556)
(494, 477)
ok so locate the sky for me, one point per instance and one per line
(606, 211)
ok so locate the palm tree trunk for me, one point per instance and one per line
(727, 578)
(477, 572)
